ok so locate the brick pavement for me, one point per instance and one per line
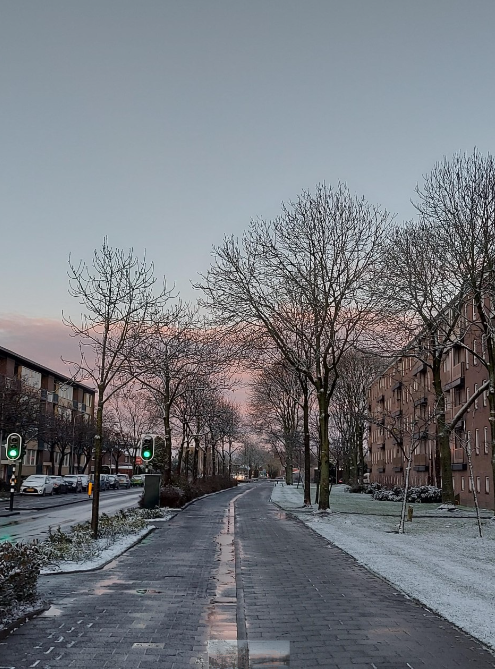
(336, 614)
(158, 593)
(294, 586)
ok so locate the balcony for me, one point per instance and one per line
(380, 464)
(421, 435)
(421, 462)
(419, 369)
(457, 377)
(397, 385)
(397, 464)
(421, 401)
(459, 460)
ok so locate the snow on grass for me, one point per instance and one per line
(440, 561)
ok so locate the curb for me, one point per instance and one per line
(5, 631)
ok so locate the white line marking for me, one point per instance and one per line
(34, 663)
(59, 640)
(49, 650)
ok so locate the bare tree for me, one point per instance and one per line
(458, 197)
(349, 409)
(275, 410)
(133, 413)
(304, 280)
(117, 294)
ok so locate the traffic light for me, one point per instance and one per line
(147, 448)
(14, 446)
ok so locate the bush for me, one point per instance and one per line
(356, 487)
(424, 493)
(19, 569)
(182, 491)
(78, 544)
(372, 488)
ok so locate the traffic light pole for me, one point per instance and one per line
(12, 487)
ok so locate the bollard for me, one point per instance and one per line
(90, 488)
(410, 512)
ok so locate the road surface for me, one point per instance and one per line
(233, 566)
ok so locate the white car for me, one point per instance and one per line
(37, 485)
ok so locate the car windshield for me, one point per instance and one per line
(70, 476)
(34, 478)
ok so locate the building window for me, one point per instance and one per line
(487, 484)
(467, 359)
(476, 442)
(485, 396)
(485, 437)
(475, 391)
(30, 457)
(478, 484)
(470, 485)
(468, 444)
(463, 483)
(475, 358)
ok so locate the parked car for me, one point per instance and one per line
(113, 482)
(124, 481)
(74, 482)
(137, 479)
(37, 484)
(104, 482)
(85, 481)
(59, 485)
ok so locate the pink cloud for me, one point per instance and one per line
(42, 340)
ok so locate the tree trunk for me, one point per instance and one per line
(443, 437)
(406, 489)
(473, 487)
(324, 496)
(289, 459)
(167, 474)
(195, 459)
(98, 440)
(307, 451)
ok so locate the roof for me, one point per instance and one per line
(35, 366)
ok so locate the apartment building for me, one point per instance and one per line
(58, 395)
(402, 403)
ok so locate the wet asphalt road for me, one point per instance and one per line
(59, 511)
(195, 579)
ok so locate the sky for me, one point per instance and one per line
(165, 125)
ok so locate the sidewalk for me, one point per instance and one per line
(440, 561)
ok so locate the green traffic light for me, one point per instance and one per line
(147, 454)
(13, 453)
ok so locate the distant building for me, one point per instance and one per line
(402, 404)
(58, 396)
